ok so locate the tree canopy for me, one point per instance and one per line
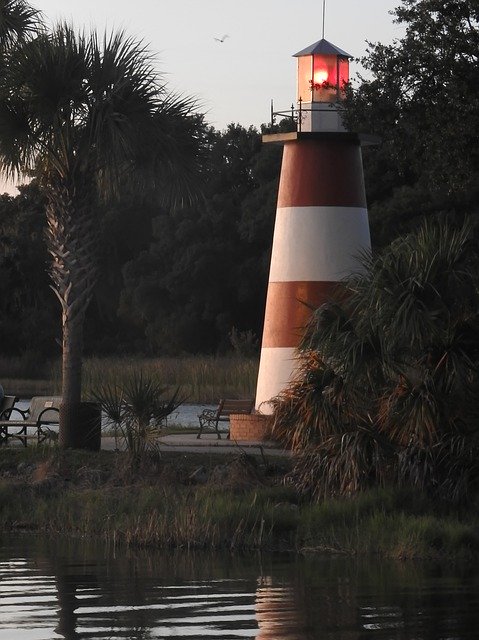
(421, 96)
(206, 269)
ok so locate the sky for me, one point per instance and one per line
(234, 80)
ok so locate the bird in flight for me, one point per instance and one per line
(223, 38)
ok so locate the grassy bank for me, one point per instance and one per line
(238, 504)
(202, 378)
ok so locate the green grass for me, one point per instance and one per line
(154, 505)
(28, 366)
(201, 378)
(392, 523)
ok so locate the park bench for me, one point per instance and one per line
(210, 418)
(6, 405)
(33, 423)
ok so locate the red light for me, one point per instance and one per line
(320, 76)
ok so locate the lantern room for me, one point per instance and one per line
(323, 73)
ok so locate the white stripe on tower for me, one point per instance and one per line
(321, 228)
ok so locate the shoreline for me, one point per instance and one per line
(218, 501)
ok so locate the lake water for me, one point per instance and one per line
(53, 588)
(186, 415)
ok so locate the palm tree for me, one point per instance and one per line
(390, 368)
(407, 334)
(18, 21)
(90, 120)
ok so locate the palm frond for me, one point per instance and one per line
(343, 464)
(18, 21)
(77, 105)
(395, 357)
(449, 470)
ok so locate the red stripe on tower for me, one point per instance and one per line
(321, 228)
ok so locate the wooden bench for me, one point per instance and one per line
(210, 418)
(42, 412)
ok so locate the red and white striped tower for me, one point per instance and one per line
(321, 220)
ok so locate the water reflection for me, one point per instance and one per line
(55, 589)
(279, 613)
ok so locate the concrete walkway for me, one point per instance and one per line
(208, 443)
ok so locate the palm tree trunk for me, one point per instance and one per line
(72, 360)
(72, 239)
(72, 346)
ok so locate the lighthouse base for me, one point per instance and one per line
(252, 427)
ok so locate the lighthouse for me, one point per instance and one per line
(321, 225)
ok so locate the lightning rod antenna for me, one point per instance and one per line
(324, 12)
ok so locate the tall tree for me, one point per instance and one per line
(421, 96)
(90, 119)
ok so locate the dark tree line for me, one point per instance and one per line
(172, 280)
(421, 97)
(205, 270)
(28, 309)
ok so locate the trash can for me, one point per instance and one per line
(84, 419)
(90, 424)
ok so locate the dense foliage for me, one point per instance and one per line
(28, 310)
(387, 392)
(205, 271)
(190, 279)
(421, 97)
